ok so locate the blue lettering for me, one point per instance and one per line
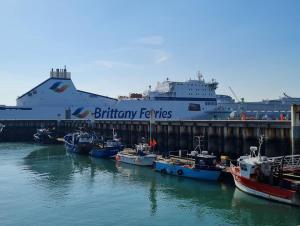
(164, 114)
(121, 114)
(142, 112)
(147, 114)
(97, 112)
(133, 114)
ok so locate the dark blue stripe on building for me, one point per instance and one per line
(185, 99)
(14, 108)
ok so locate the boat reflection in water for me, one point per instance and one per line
(94, 183)
(255, 211)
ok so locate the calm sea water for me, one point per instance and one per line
(42, 185)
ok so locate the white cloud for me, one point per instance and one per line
(111, 64)
(155, 40)
(161, 56)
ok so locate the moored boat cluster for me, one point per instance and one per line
(275, 179)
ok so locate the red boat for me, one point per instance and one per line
(263, 177)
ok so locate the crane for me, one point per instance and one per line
(234, 94)
(240, 110)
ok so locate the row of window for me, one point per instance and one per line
(191, 94)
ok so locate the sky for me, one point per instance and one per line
(116, 47)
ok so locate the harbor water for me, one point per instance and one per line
(44, 185)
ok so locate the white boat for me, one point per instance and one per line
(140, 156)
(57, 98)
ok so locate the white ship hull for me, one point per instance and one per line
(146, 160)
(58, 99)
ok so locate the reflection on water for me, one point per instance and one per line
(66, 182)
(256, 211)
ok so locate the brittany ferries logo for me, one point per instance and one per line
(59, 87)
(80, 113)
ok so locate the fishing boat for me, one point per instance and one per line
(107, 149)
(141, 155)
(201, 166)
(79, 142)
(266, 178)
(45, 136)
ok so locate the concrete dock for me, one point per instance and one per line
(231, 137)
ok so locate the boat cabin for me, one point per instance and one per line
(253, 166)
(205, 160)
(85, 138)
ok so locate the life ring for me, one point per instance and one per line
(163, 171)
(118, 158)
(179, 172)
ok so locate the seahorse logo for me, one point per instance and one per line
(59, 87)
(81, 113)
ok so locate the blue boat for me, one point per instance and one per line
(109, 149)
(79, 142)
(198, 166)
(187, 168)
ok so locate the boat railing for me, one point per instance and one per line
(289, 162)
(178, 153)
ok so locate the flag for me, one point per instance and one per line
(152, 143)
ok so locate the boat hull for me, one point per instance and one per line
(82, 149)
(147, 160)
(182, 171)
(44, 140)
(107, 152)
(264, 190)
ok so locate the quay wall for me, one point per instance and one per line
(230, 137)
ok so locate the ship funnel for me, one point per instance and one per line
(60, 73)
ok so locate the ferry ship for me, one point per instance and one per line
(274, 109)
(57, 98)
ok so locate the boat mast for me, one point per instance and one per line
(151, 121)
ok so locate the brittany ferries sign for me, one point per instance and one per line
(142, 113)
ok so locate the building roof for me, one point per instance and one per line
(41, 85)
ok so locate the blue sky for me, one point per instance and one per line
(116, 47)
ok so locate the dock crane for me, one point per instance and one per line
(234, 94)
(240, 101)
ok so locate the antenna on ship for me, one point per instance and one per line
(65, 71)
(199, 75)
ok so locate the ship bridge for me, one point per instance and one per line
(197, 90)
